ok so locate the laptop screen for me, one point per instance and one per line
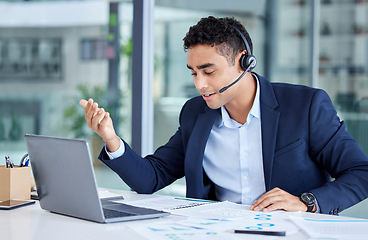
(64, 176)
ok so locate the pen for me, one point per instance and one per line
(269, 233)
(8, 162)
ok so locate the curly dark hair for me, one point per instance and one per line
(219, 32)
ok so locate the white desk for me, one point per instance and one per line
(31, 222)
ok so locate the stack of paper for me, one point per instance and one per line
(210, 220)
(333, 228)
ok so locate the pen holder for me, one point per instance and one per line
(15, 183)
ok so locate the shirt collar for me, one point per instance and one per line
(225, 120)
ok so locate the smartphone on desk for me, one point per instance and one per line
(11, 204)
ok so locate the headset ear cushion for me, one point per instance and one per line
(251, 62)
(243, 62)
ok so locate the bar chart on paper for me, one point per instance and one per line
(189, 229)
(241, 217)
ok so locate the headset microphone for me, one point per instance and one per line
(247, 62)
(237, 80)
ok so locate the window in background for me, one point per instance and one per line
(52, 53)
(30, 58)
(343, 62)
(291, 42)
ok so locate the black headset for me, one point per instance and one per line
(248, 61)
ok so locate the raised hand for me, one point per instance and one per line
(101, 123)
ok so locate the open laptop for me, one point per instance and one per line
(66, 184)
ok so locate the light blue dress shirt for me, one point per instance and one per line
(233, 156)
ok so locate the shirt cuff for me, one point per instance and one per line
(117, 153)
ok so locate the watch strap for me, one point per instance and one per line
(310, 207)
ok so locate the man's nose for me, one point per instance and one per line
(201, 82)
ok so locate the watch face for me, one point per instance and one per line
(308, 198)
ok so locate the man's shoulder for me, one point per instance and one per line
(289, 86)
(288, 94)
(295, 91)
(285, 89)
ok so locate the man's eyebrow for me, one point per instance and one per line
(205, 65)
(202, 66)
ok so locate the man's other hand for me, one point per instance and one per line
(278, 199)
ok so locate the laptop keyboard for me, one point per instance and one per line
(108, 213)
(123, 210)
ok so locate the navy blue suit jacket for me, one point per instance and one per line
(304, 145)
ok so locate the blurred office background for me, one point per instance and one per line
(53, 53)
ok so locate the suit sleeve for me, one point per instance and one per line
(335, 149)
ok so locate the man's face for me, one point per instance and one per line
(211, 72)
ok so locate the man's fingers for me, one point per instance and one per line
(91, 110)
(83, 102)
(259, 203)
(105, 118)
(88, 104)
(269, 198)
(278, 199)
(274, 206)
(97, 118)
(267, 202)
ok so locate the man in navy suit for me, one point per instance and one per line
(245, 139)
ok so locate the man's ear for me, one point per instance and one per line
(241, 58)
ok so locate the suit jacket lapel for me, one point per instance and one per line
(196, 146)
(269, 124)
